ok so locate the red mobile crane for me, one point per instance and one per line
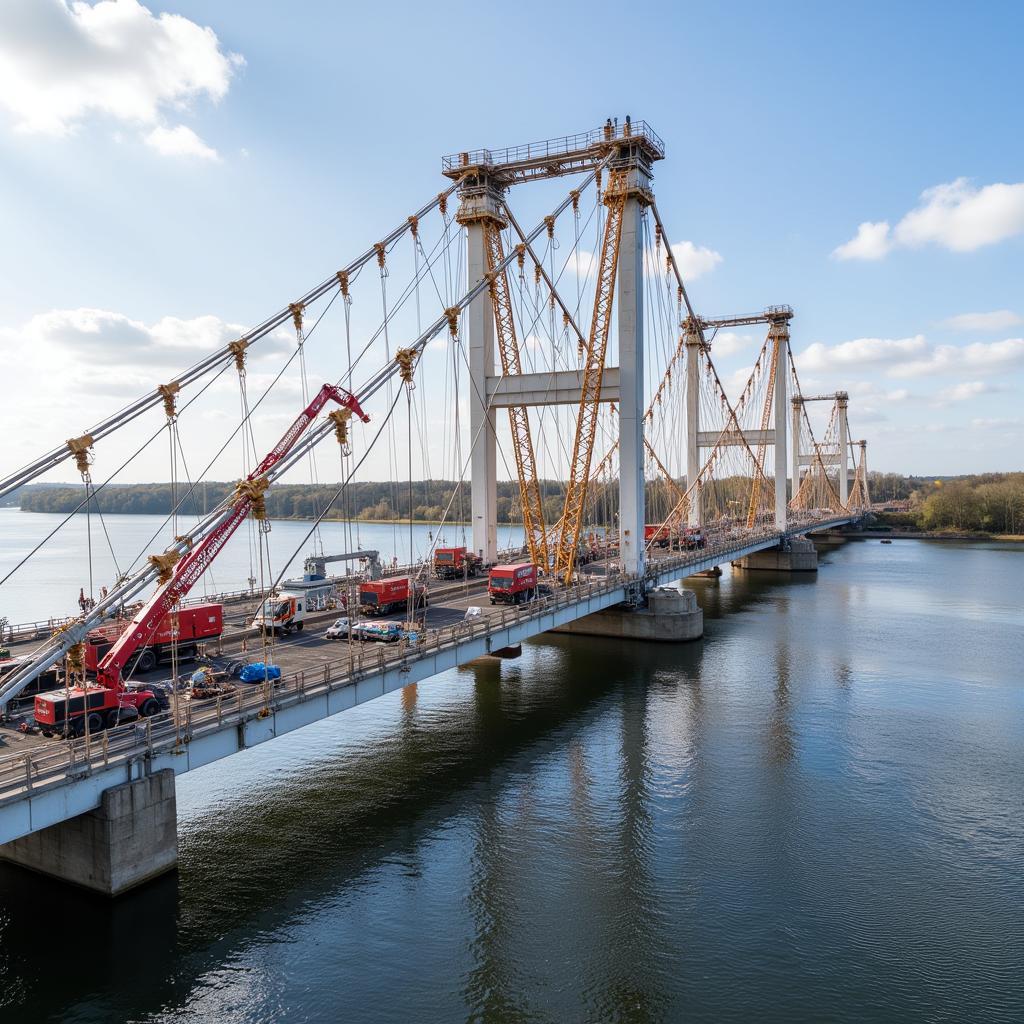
(54, 712)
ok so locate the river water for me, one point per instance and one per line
(814, 814)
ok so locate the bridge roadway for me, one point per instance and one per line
(47, 783)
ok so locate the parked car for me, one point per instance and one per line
(379, 632)
(337, 630)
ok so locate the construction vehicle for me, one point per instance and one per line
(112, 699)
(287, 610)
(196, 623)
(512, 584)
(315, 566)
(456, 563)
(657, 534)
(381, 597)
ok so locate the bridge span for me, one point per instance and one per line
(58, 781)
(619, 427)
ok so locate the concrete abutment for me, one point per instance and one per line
(130, 838)
(799, 555)
(671, 616)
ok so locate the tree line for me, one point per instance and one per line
(983, 503)
(988, 502)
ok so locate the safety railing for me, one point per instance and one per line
(562, 146)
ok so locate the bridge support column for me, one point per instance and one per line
(781, 329)
(797, 555)
(630, 287)
(479, 201)
(129, 839)
(794, 469)
(693, 340)
(672, 615)
(844, 449)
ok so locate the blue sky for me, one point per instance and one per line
(214, 165)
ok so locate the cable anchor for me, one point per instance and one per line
(237, 349)
(452, 314)
(79, 448)
(254, 490)
(340, 418)
(167, 392)
(405, 358)
(164, 565)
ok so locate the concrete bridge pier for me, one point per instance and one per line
(796, 555)
(671, 615)
(130, 838)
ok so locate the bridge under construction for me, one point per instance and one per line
(565, 350)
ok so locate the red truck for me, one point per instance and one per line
(455, 563)
(512, 584)
(64, 712)
(381, 597)
(657, 533)
(195, 623)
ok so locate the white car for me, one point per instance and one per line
(338, 630)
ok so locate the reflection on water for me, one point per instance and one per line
(812, 814)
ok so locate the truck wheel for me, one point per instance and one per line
(95, 722)
(149, 708)
(298, 628)
(112, 718)
(147, 661)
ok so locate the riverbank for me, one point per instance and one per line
(936, 535)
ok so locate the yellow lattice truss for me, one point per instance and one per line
(860, 497)
(518, 417)
(593, 373)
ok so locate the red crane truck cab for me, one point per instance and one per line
(381, 597)
(512, 584)
(63, 712)
(454, 563)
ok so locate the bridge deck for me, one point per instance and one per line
(55, 781)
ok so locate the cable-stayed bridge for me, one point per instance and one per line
(566, 350)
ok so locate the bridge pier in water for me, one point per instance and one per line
(798, 555)
(671, 615)
(131, 838)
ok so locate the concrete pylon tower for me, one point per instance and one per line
(480, 201)
(693, 343)
(794, 455)
(632, 159)
(842, 401)
(780, 330)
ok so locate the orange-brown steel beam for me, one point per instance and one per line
(593, 372)
(518, 417)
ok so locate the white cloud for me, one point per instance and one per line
(61, 64)
(998, 320)
(964, 391)
(912, 357)
(179, 141)
(871, 242)
(97, 347)
(979, 357)
(727, 343)
(694, 261)
(996, 423)
(956, 216)
(861, 352)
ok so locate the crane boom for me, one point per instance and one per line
(190, 567)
